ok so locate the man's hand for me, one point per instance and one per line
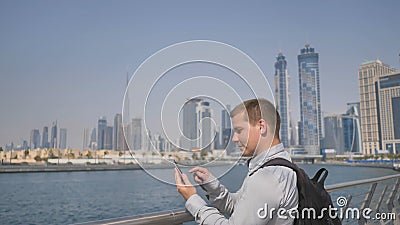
(185, 189)
(201, 175)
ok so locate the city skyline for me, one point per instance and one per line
(65, 61)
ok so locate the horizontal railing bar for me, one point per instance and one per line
(177, 216)
(180, 216)
(336, 187)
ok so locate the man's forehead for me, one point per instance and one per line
(240, 117)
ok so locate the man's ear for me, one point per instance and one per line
(263, 127)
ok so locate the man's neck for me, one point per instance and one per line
(275, 142)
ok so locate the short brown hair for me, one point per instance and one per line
(259, 109)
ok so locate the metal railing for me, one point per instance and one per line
(383, 202)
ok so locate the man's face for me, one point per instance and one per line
(245, 135)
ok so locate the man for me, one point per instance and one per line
(267, 195)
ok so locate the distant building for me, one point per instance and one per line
(388, 102)
(226, 130)
(118, 132)
(108, 143)
(24, 145)
(53, 136)
(342, 132)
(63, 138)
(45, 138)
(206, 130)
(352, 128)
(101, 132)
(333, 133)
(217, 144)
(189, 125)
(34, 139)
(197, 126)
(282, 97)
(310, 100)
(368, 73)
(137, 133)
(86, 139)
(93, 139)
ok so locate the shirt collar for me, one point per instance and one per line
(258, 160)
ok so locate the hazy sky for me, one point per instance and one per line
(67, 60)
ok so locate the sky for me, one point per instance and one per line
(68, 60)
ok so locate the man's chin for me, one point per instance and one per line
(245, 154)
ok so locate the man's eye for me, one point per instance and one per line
(238, 131)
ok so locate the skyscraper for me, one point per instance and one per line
(189, 125)
(198, 128)
(118, 132)
(370, 130)
(45, 137)
(282, 97)
(334, 133)
(352, 128)
(86, 138)
(101, 132)
(63, 138)
(206, 131)
(53, 136)
(342, 132)
(137, 133)
(226, 130)
(93, 139)
(225, 118)
(35, 139)
(108, 144)
(388, 102)
(310, 101)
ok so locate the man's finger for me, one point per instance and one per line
(198, 169)
(177, 178)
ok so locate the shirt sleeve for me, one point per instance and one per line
(220, 197)
(253, 207)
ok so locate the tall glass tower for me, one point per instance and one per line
(137, 133)
(118, 132)
(189, 125)
(310, 100)
(53, 137)
(63, 138)
(45, 136)
(101, 132)
(282, 97)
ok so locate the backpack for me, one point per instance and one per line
(312, 194)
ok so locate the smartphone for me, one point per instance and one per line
(179, 171)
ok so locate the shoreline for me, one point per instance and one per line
(101, 167)
(6, 168)
(373, 165)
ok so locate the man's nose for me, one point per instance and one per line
(234, 137)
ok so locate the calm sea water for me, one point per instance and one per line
(74, 197)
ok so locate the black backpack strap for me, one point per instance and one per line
(318, 175)
(277, 162)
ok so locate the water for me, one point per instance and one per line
(74, 197)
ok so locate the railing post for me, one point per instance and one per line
(389, 202)
(367, 202)
(346, 206)
(381, 199)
